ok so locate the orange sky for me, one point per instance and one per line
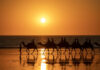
(63, 17)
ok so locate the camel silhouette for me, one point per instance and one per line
(87, 45)
(49, 45)
(30, 45)
(76, 45)
(63, 44)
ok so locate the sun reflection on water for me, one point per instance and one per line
(43, 64)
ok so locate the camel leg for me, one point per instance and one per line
(57, 51)
(28, 57)
(33, 51)
(92, 51)
(72, 51)
(52, 51)
(48, 51)
(20, 54)
(64, 51)
(75, 51)
(37, 51)
(81, 51)
(69, 50)
(20, 49)
(60, 51)
(28, 51)
(44, 50)
(86, 50)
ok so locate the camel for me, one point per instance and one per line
(30, 45)
(87, 45)
(76, 45)
(63, 44)
(49, 44)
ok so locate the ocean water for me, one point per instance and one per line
(14, 41)
(13, 59)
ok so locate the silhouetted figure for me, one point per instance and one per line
(49, 45)
(88, 45)
(76, 45)
(30, 45)
(67, 45)
(64, 44)
(53, 45)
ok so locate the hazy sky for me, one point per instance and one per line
(63, 17)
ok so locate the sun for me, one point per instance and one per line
(43, 20)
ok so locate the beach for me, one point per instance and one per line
(14, 56)
(10, 59)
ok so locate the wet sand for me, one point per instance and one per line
(10, 59)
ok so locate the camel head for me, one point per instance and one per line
(23, 44)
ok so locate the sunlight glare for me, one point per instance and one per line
(43, 20)
(42, 50)
(43, 64)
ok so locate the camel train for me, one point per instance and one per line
(50, 44)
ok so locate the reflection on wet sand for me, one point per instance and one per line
(43, 64)
(62, 60)
(32, 60)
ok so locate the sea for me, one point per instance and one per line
(11, 58)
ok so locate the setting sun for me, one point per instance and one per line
(43, 20)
